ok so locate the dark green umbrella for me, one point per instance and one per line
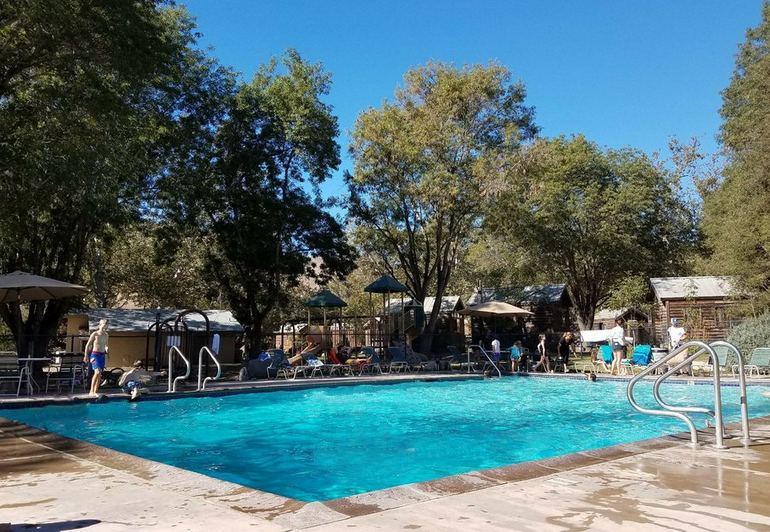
(386, 285)
(324, 299)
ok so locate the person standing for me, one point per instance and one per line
(565, 347)
(544, 362)
(95, 352)
(496, 349)
(617, 339)
(676, 333)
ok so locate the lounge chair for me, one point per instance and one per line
(640, 358)
(456, 359)
(398, 362)
(67, 368)
(10, 370)
(374, 362)
(281, 367)
(725, 358)
(759, 363)
(604, 359)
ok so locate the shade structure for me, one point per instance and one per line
(22, 286)
(325, 299)
(495, 308)
(386, 285)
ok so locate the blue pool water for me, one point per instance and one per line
(326, 443)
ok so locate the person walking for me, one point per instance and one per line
(565, 347)
(617, 339)
(95, 352)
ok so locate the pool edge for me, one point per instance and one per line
(295, 513)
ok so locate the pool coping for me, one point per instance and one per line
(300, 514)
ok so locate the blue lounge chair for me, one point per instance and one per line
(398, 362)
(640, 358)
(604, 360)
(373, 366)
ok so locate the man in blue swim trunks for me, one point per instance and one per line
(95, 352)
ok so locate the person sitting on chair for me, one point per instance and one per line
(134, 381)
(310, 350)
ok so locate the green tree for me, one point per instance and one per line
(93, 99)
(138, 267)
(736, 220)
(593, 218)
(419, 163)
(255, 193)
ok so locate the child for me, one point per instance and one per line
(135, 380)
(516, 360)
(544, 361)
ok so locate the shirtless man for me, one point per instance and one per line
(96, 347)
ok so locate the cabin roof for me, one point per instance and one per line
(698, 287)
(139, 320)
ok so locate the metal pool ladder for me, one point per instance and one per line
(210, 353)
(172, 381)
(483, 351)
(682, 412)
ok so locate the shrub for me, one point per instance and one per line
(752, 333)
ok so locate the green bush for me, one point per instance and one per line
(752, 333)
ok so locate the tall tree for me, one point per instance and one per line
(419, 162)
(736, 218)
(93, 96)
(256, 193)
(593, 218)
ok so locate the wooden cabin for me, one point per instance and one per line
(705, 306)
(550, 304)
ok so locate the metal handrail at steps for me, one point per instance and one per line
(202, 384)
(681, 412)
(172, 381)
(484, 352)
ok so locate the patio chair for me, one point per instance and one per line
(337, 367)
(604, 359)
(456, 359)
(281, 367)
(67, 369)
(398, 362)
(11, 371)
(759, 362)
(725, 358)
(374, 365)
(640, 359)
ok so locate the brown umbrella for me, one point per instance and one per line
(495, 308)
(21, 286)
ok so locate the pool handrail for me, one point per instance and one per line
(484, 352)
(171, 381)
(717, 412)
(746, 433)
(666, 413)
(210, 353)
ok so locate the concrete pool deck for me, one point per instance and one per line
(55, 483)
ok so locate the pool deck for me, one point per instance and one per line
(57, 483)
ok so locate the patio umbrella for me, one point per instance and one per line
(387, 285)
(21, 286)
(495, 308)
(324, 299)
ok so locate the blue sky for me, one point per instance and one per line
(624, 73)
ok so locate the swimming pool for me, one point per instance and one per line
(324, 443)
